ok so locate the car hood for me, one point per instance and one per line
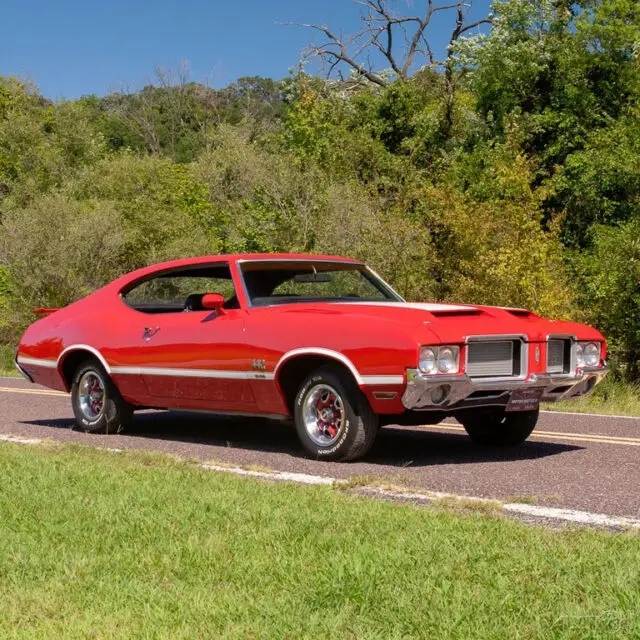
(449, 323)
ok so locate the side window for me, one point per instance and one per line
(178, 291)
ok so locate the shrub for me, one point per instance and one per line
(609, 290)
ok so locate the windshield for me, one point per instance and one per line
(286, 282)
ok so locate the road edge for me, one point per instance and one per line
(530, 511)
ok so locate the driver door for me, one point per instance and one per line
(191, 357)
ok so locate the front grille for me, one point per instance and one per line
(555, 356)
(558, 356)
(493, 359)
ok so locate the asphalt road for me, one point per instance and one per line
(585, 462)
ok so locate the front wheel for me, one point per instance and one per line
(504, 429)
(97, 404)
(333, 419)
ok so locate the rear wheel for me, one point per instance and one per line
(333, 419)
(97, 404)
(500, 428)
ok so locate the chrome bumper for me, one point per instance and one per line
(443, 393)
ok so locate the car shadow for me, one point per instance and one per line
(395, 446)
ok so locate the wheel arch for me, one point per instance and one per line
(72, 356)
(296, 365)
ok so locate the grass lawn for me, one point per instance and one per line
(100, 544)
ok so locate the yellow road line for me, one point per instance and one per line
(587, 435)
(538, 432)
(579, 437)
(37, 392)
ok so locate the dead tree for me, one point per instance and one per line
(401, 40)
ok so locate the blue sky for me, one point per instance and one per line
(71, 48)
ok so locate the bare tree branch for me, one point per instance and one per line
(340, 53)
(379, 33)
(473, 25)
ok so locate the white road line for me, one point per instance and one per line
(19, 440)
(282, 476)
(572, 515)
(555, 513)
(568, 515)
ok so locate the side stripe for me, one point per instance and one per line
(232, 375)
(373, 380)
(207, 373)
(37, 362)
(193, 373)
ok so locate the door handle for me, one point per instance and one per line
(149, 332)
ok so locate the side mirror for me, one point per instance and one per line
(213, 301)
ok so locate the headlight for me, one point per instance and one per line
(591, 353)
(587, 354)
(428, 360)
(448, 359)
(443, 360)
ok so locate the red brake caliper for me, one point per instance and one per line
(326, 426)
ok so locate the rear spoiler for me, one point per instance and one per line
(45, 311)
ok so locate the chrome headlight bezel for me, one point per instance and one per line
(441, 360)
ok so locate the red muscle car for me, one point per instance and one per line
(320, 339)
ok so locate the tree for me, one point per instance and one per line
(399, 41)
(392, 47)
(609, 290)
(566, 77)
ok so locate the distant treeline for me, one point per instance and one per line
(508, 176)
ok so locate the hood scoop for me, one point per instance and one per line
(520, 313)
(456, 313)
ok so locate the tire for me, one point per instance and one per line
(349, 426)
(500, 428)
(97, 404)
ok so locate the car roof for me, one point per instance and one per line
(235, 257)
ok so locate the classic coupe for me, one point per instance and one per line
(320, 339)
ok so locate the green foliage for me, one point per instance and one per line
(55, 251)
(600, 184)
(41, 145)
(178, 118)
(560, 72)
(164, 212)
(609, 290)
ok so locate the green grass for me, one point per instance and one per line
(611, 396)
(101, 545)
(7, 354)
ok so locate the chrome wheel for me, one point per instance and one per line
(91, 396)
(323, 414)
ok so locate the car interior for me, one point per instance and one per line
(181, 290)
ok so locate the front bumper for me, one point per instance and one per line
(449, 393)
